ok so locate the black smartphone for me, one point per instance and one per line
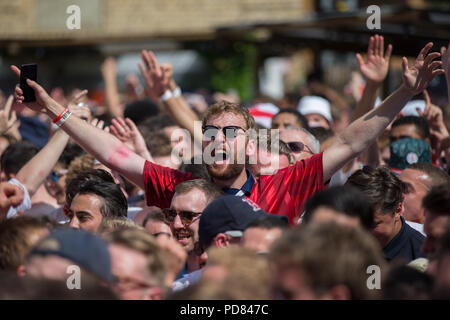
(28, 71)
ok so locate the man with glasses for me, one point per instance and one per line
(230, 144)
(301, 143)
(190, 199)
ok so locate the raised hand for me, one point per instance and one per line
(155, 77)
(127, 132)
(417, 77)
(43, 100)
(435, 119)
(109, 68)
(376, 66)
(99, 124)
(79, 108)
(7, 118)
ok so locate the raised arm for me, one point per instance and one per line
(103, 146)
(374, 71)
(34, 172)
(7, 118)
(159, 79)
(438, 130)
(362, 132)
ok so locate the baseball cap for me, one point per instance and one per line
(315, 104)
(83, 248)
(408, 151)
(228, 214)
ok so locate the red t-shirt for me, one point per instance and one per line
(284, 192)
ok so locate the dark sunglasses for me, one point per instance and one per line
(230, 132)
(186, 217)
(298, 147)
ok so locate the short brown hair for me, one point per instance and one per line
(111, 224)
(158, 144)
(382, 187)
(16, 240)
(80, 164)
(329, 255)
(154, 215)
(228, 107)
(209, 189)
(246, 271)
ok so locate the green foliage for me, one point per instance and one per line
(232, 66)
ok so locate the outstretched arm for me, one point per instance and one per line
(362, 132)
(374, 71)
(34, 172)
(103, 146)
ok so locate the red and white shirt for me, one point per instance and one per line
(283, 193)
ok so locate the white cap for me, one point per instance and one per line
(263, 113)
(410, 108)
(315, 104)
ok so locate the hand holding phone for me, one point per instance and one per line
(28, 71)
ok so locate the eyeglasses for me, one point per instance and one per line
(298, 147)
(186, 217)
(55, 175)
(230, 132)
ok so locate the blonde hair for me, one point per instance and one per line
(247, 273)
(80, 164)
(227, 107)
(110, 224)
(139, 240)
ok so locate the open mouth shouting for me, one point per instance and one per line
(221, 157)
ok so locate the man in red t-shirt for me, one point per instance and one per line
(282, 193)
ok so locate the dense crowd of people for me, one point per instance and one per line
(160, 194)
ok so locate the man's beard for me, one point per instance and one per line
(227, 172)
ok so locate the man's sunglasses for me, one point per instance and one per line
(186, 217)
(298, 147)
(230, 132)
